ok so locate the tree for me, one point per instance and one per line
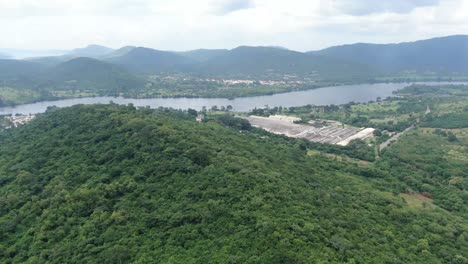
(192, 112)
(377, 132)
(451, 137)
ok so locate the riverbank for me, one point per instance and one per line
(335, 95)
(10, 97)
(17, 96)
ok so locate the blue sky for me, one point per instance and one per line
(182, 24)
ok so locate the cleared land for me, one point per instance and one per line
(327, 132)
(395, 138)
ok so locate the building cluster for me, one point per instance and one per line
(322, 131)
(275, 80)
(17, 120)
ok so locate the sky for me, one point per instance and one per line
(302, 25)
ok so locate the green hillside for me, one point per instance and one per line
(202, 55)
(91, 74)
(445, 55)
(113, 184)
(150, 61)
(12, 70)
(268, 62)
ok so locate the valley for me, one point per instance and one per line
(141, 72)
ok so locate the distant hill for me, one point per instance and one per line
(444, 55)
(92, 51)
(202, 55)
(254, 61)
(18, 69)
(147, 61)
(49, 61)
(118, 52)
(4, 56)
(360, 62)
(88, 73)
(23, 54)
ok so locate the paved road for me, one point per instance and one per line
(394, 138)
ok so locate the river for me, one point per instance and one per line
(321, 96)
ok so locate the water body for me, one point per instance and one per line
(321, 96)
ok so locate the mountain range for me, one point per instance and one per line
(106, 67)
(445, 55)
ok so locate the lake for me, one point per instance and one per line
(321, 96)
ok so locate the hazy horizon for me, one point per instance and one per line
(31, 53)
(213, 24)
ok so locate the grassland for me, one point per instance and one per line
(10, 96)
(418, 201)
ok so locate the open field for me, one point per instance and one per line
(415, 200)
(10, 96)
(321, 132)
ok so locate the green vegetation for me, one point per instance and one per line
(140, 72)
(429, 161)
(116, 184)
(10, 96)
(449, 104)
(424, 57)
(447, 107)
(181, 85)
(452, 120)
(3, 123)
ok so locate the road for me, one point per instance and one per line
(394, 138)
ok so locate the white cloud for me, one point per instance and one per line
(186, 24)
(365, 7)
(228, 6)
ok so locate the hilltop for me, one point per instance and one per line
(147, 61)
(116, 184)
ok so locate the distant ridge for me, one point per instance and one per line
(92, 51)
(145, 60)
(361, 62)
(202, 55)
(246, 60)
(443, 54)
(118, 52)
(4, 56)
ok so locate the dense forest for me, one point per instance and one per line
(117, 184)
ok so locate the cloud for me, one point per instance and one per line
(223, 7)
(366, 7)
(186, 24)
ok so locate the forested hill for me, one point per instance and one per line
(269, 61)
(443, 55)
(113, 184)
